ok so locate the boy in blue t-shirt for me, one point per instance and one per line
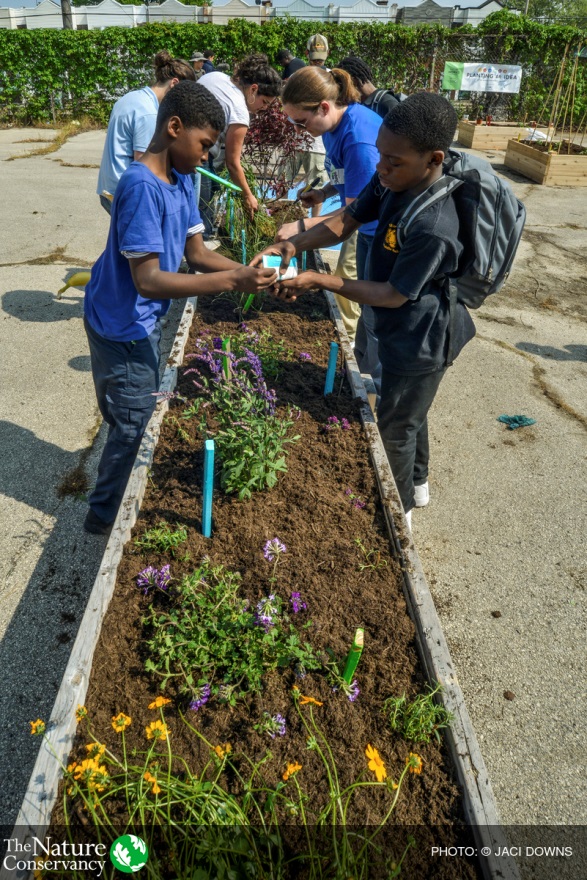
(155, 222)
(407, 286)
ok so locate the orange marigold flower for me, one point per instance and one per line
(158, 702)
(95, 750)
(290, 770)
(120, 722)
(157, 730)
(153, 781)
(376, 764)
(223, 750)
(38, 727)
(304, 700)
(414, 763)
(80, 713)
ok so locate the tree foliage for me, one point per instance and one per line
(84, 72)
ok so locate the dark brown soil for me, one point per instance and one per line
(309, 511)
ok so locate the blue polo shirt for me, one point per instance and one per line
(148, 216)
(131, 128)
(351, 154)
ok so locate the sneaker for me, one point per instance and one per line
(421, 495)
(95, 525)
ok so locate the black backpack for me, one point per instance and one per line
(379, 95)
(491, 221)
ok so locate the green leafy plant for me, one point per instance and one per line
(419, 720)
(371, 560)
(250, 436)
(162, 538)
(208, 639)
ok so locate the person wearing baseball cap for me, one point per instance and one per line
(317, 50)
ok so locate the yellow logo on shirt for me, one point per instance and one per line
(390, 243)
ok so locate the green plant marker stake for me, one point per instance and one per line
(330, 372)
(248, 303)
(227, 183)
(208, 488)
(304, 261)
(244, 246)
(352, 661)
(226, 359)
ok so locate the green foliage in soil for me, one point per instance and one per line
(417, 721)
(204, 635)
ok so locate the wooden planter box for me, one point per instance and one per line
(35, 813)
(486, 137)
(552, 169)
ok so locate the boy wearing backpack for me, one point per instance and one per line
(407, 286)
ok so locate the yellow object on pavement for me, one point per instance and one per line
(78, 279)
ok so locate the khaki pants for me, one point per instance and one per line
(347, 268)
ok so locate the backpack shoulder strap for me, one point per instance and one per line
(440, 189)
(378, 96)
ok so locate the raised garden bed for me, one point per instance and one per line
(340, 559)
(540, 163)
(486, 137)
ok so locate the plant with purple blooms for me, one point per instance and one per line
(355, 500)
(304, 356)
(200, 697)
(273, 550)
(297, 604)
(214, 644)
(250, 436)
(334, 424)
(154, 578)
(272, 725)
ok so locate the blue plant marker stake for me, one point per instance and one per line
(330, 372)
(231, 217)
(244, 243)
(304, 261)
(208, 488)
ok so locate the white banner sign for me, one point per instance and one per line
(482, 77)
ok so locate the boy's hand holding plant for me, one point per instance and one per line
(250, 279)
(289, 290)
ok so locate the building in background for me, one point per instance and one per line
(28, 14)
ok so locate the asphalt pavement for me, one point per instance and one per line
(502, 541)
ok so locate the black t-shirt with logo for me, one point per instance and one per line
(414, 337)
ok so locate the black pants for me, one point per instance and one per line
(126, 377)
(402, 419)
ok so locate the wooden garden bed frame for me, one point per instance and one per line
(551, 169)
(486, 137)
(35, 813)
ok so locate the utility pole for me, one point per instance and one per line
(66, 15)
(526, 7)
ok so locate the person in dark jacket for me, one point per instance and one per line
(289, 63)
(381, 101)
(208, 65)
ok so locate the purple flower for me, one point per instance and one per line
(217, 342)
(273, 549)
(345, 424)
(201, 697)
(151, 577)
(352, 691)
(304, 356)
(296, 603)
(332, 420)
(348, 491)
(358, 503)
(273, 725)
(266, 612)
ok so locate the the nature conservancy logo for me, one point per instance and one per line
(34, 855)
(129, 853)
(45, 855)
